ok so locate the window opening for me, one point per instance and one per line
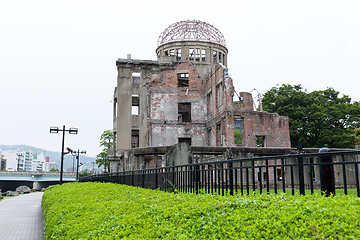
(184, 112)
(136, 78)
(214, 56)
(183, 80)
(209, 102)
(197, 54)
(178, 54)
(219, 94)
(191, 54)
(203, 55)
(135, 105)
(238, 126)
(172, 52)
(115, 107)
(260, 141)
(209, 137)
(134, 138)
(220, 57)
(166, 53)
(185, 140)
(218, 134)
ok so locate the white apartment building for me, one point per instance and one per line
(38, 163)
(11, 162)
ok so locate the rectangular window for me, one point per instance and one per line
(191, 54)
(220, 57)
(172, 52)
(203, 55)
(215, 57)
(178, 54)
(134, 138)
(183, 80)
(260, 141)
(135, 105)
(184, 112)
(115, 107)
(136, 78)
(218, 135)
(238, 126)
(197, 54)
(209, 102)
(209, 137)
(219, 95)
(185, 140)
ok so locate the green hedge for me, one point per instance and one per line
(111, 211)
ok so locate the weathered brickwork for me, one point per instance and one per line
(272, 128)
(187, 96)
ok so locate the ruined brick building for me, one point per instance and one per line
(187, 96)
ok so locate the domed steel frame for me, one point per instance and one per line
(191, 30)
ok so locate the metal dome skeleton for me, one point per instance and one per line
(191, 30)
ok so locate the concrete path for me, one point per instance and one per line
(21, 217)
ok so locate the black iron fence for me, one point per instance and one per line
(328, 172)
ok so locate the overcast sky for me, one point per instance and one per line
(57, 58)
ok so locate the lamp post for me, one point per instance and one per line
(56, 130)
(77, 154)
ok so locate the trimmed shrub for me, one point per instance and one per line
(112, 211)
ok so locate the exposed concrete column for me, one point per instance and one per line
(209, 53)
(143, 98)
(184, 52)
(124, 108)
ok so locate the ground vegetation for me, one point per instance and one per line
(114, 211)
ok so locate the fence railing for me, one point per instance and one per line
(329, 172)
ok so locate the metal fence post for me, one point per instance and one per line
(325, 173)
(301, 176)
(230, 169)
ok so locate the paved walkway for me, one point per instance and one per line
(21, 217)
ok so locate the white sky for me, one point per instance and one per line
(57, 58)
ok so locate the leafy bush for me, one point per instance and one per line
(111, 211)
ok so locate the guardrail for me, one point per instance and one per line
(328, 172)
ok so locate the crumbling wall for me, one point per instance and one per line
(166, 122)
(220, 120)
(261, 129)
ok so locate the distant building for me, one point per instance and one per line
(19, 160)
(11, 162)
(2, 162)
(25, 160)
(38, 162)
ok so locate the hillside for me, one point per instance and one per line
(53, 156)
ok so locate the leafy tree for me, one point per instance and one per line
(84, 173)
(316, 119)
(106, 141)
(53, 170)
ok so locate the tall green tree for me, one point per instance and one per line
(106, 141)
(316, 119)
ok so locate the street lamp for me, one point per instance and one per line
(77, 154)
(56, 130)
